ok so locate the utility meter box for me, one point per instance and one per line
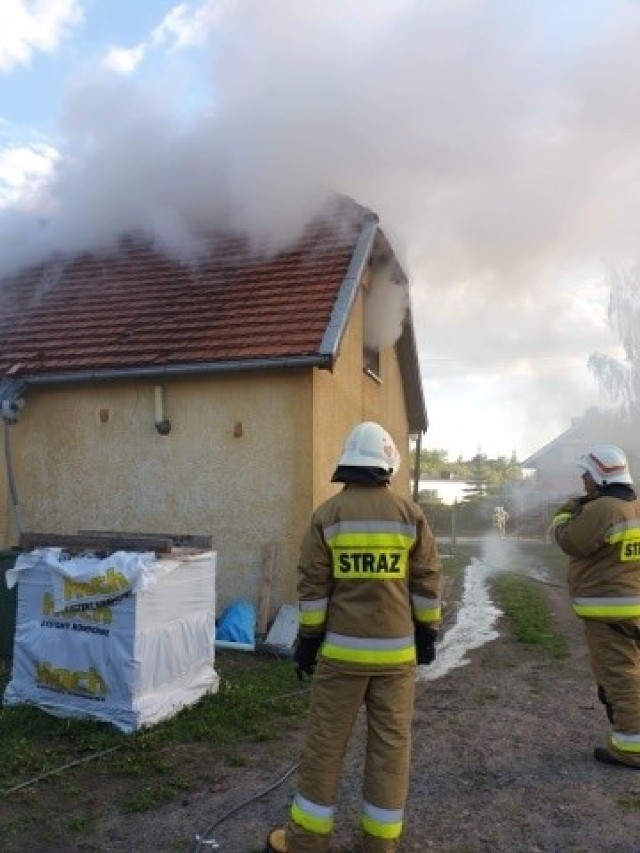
(128, 639)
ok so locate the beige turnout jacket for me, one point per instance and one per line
(602, 538)
(368, 571)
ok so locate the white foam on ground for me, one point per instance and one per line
(474, 625)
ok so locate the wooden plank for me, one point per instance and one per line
(180, 540)
(269, 554)
(79, 543)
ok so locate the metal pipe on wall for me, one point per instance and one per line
(13, 492)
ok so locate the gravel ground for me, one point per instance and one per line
(502, 762)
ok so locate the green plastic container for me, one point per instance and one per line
(8, 600)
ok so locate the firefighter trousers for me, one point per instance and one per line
(614, 650)
(336, 698)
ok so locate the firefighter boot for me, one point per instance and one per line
(601, 753)
(378, 845)
(276, 841)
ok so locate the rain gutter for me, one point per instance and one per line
(349, 288)
(74, 377)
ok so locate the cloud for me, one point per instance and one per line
(186, 25)
(24, 170)
(30, 26)
(190, 24)
(124, 61)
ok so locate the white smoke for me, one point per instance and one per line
(496, 141)
(385, 309)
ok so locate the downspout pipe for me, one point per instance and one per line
(13, 491)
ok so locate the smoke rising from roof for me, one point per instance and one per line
(465, 124)
(497, 142)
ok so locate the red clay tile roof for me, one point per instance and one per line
(137, 307)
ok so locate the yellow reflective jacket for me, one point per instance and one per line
(602, 537)
(368, 571)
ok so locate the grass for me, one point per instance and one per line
(526, 606)
(244, 709)
(259, 700)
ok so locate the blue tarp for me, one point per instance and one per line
(237, 624)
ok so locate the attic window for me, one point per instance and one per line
(371, 362)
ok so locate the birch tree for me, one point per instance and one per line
(620, 378)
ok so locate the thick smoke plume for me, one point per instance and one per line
(487, 144)
(497, 141)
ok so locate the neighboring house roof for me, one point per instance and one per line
(595, 426)
(136, 311)
(565, 438)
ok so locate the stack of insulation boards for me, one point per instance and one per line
(126, 637)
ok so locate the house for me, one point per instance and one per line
(448, 490)
(146, 393)
(555, 475)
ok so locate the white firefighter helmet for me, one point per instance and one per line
(368, 445)
(607, 464)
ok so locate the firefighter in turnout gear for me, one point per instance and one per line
(369, 587)
(600, 531)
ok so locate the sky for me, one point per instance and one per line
(496, 141)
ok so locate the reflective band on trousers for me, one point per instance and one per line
(626, 743)
(426, 609)
(369, 650)
(312, 613)
(381, 823)
(312, 816)
(607, 608)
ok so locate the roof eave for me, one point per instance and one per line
(166, 371)
(330, 344)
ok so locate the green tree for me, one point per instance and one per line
(478, 470)
(433, 463)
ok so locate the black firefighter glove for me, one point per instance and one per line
(425, 643)
(305, 654)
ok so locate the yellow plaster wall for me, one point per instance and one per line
(384, 402)
(90, 458)
(347, 396)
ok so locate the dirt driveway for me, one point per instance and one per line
(502, 764)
